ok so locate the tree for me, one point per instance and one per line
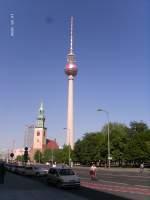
(137, 127)
(138, 147)
(118, 140)
(38, 156)
(87, 150)
(47, 155)
(65, 154)
(59, 156)
(127, 144)
(19, 158)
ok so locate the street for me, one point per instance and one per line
(24, 188)
(123, 182)
(18, 187)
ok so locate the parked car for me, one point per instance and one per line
(40, 171)
(13, 168)
(34, 171)
(28, 170)
(63, 177)
(20, 169)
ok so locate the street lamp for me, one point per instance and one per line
(52, 150)
(107, 114)
(69, 157)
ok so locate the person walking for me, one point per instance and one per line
(2, 173)
(93, 172)
(141, 168)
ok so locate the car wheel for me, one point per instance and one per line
(78, 187)
(59, 184)
(37, 174)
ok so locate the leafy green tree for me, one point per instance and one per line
(88, 149)
(127, 144)
(137, 127)
(59, 156)
(38, 156)
(138, 147)
(65, 154)
(19, 158)
(47, 155)
(118, 140)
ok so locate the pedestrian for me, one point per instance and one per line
(141, 168)
(54, 164)
(2, 173)
(93, 172)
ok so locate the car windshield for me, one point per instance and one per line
(65, 172)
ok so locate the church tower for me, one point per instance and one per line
(40, 131)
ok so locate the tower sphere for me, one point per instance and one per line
(71, 69)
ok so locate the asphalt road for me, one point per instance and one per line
(24, 188)
(18, 187)
(122, 182)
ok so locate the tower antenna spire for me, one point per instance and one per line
(71, 36)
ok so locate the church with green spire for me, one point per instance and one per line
(40, 130)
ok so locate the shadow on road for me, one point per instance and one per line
(95, 195)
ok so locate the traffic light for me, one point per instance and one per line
(26, 154)
(12, 155)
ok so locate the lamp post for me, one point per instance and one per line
(108, 133)
(52, 156)
(69, 157)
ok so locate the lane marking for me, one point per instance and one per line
(116, 175)
(101, 180)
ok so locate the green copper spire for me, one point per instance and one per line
(41, 116)
(41, 110)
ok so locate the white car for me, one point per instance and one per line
(40, 171)
(28, 170)
(34, 171)
(63, 177)
(20, 169)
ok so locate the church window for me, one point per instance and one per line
(38, 133)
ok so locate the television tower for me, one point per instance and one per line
(71, 71)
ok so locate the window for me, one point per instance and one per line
(65, 172)
(38, 133)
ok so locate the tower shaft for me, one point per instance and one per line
(71, 71)
(70, 139)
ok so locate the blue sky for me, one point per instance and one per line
(112, 47)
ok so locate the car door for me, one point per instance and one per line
(52, 176)
(55, 176)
